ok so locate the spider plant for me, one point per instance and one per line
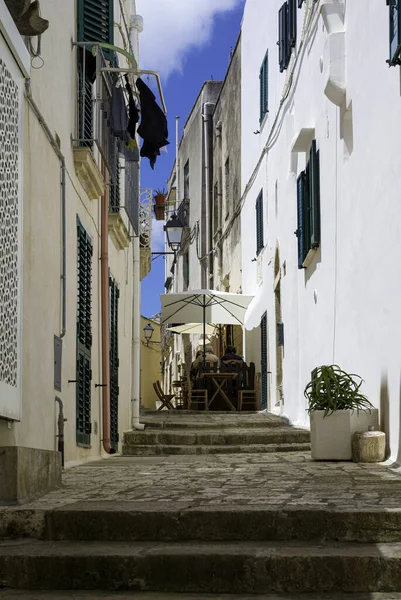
(332, 389)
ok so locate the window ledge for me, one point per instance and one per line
(118, 231)
(88, 173)
(309, 257)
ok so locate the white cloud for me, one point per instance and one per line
(172, 28)
(157, 236)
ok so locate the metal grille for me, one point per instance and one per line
(114, 295)
(132, 193)
(115, 171)
(85, 109)
(84, 336)
(9, 190)
(263, 353)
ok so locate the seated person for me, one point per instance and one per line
(210, 357)
(231, 354)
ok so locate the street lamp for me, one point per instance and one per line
(148, 331)
(174, 229)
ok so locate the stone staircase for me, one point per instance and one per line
(168, 550)
(169, 433)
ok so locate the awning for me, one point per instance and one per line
(256, 310)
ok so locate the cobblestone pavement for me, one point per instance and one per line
(277, 480)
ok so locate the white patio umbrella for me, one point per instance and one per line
(204, 306)
(193, 328)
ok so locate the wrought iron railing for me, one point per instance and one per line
(145, 218)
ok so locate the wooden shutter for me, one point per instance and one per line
(114, 295)
(259, 223)
(263, 361)
(95, 21)
(84, 336)
(292, 22)
(283, 37)
(314, 184)
(264, 87)
(301, 232)
(395, 31)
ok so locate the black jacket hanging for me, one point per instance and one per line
(133, 115)
(153, 127)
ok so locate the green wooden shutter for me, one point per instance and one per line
(95, 21)
(314, 183)
(264, 87)
(84, 336)
(263, 361)
(283, 38)
(300, 232)
(114, 295)
(259, 223)
(395, 32)
(292, 22)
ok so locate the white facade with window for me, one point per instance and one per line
(333, 297)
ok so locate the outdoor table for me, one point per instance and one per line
(219, 380)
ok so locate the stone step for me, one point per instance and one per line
(240, 568)
(167, 450)
(217, 437)
(212, 420)
(221, 437)
(95, 595)
(136, 521)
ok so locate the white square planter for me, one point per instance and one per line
(331, 436)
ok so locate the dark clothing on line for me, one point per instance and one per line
(153, 127)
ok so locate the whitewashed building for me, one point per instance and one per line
(321, 140)
(70, 258)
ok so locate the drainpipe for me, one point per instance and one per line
(206, 120)
(136, 339)
(177, 181)
(60, 429)
(50, 137)
(104, 304)
(136, 26)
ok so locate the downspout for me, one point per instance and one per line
(177, 172)
(104, 304)
(50, 137)
(136, 26)
(206, 120)
(136, 338)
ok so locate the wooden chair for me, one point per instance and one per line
(166, 399)
(247, 395)
(196, 396)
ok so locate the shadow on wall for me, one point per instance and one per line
(385, 411)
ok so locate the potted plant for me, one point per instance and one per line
(160, 197)
(337, 410)
(159, 212)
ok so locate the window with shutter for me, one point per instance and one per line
(263, 361)
(284, 43)
(114, 294)
(264, 88)
(308, 207)
(84, 336)
(115, 177)
(292, 22)
(95, 21)
(395, 32)
(259, 223)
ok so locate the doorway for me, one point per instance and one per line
(263, 362)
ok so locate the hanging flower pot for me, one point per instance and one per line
(159, 212)
(160, 197)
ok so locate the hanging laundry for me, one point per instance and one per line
(133, 115)
(153, 127)
(119, 117)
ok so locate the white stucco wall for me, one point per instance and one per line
(54, 90)
(344, 307)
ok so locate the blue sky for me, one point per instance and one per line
(201, 54)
